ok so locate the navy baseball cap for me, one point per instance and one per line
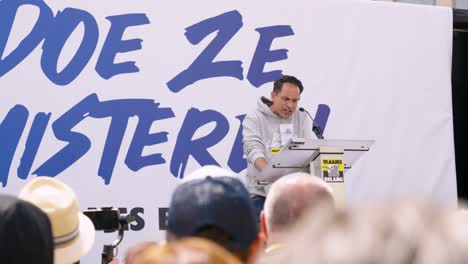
(221, 202)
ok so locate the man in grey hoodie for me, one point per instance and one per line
(269, 127)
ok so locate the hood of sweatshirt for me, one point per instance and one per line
(263, 105)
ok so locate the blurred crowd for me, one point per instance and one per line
(212, 220)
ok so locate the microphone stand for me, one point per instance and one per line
(315, 127)
(107, 254)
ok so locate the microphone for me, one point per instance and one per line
(266, 101)
(316, 128)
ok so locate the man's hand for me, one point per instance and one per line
(260, 163)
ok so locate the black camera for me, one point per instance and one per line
(107, 219)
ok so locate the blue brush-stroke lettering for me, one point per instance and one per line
(11, 129)
(321, 116)
(203, 67)
(120, 111)
(150, 112)
(78, 144)
(186, 146)
(236, 161)
(263, 54)
(114, 44)
(36, 133)
(65, 23)
(8, 11)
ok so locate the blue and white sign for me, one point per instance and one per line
(120, 99)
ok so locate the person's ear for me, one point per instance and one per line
(263, 225)
(256, 248)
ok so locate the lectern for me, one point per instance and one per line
(329, 159)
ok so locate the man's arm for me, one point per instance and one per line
(260, 163)
(254, 148)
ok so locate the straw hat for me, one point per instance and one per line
(73, 232)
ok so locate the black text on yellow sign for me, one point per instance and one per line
(332, 170)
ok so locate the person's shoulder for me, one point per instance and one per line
(254, 115)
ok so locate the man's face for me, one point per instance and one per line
(285, 103)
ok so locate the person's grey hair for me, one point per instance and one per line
(403, 234)
(292, 195)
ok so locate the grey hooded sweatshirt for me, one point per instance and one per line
(261, 132)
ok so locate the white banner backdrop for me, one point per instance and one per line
(121, 123)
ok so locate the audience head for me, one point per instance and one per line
(135, 252)
(25, 233)
(187, 251)
(73, 232)
(218, 209)
(405, 234)
(212, 171)
(289, 198)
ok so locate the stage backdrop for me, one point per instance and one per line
(120, 99)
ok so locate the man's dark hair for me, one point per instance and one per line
(222, 238)
(287, 79)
